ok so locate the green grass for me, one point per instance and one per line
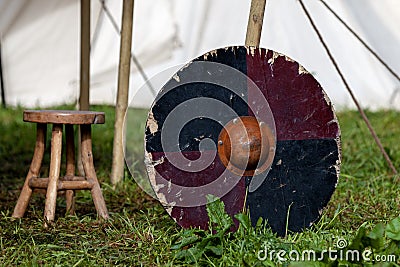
(141, 233)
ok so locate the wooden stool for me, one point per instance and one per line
(69, 182)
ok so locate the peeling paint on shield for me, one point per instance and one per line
(302, 70)
(151, 172)
(275, 55)
(151, 123)
(176, 77)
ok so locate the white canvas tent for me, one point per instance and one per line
(40, 45)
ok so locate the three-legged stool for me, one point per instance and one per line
(69, 182)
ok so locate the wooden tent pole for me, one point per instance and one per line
(85, 55)
(254, 26)
(84, 83)
(118, 162)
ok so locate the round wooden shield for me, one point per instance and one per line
(250, 126)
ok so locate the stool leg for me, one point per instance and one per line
(81, 170)
(87, 160)
(70, 170)
(34, 170)
(54, 173)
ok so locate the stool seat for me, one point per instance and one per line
(55, 182)
(64, 116)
